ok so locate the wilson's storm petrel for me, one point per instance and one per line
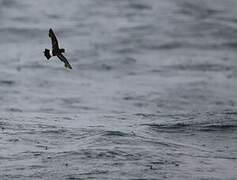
(56, 51)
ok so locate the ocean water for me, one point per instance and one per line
(152, 93)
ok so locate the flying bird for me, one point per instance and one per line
(56, 51)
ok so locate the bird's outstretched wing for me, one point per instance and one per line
(63, 59)
(53, 39)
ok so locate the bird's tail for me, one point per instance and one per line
(47, 54)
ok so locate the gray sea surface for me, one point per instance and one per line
(152, 93)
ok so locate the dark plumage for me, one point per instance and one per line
(47, 53)
(56, 51)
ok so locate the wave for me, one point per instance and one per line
(191, 127)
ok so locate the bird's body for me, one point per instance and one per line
(56, 51)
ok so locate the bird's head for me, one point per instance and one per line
(62, 50)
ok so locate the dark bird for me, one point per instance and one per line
(56, 51)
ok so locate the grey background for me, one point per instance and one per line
(152, 93)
